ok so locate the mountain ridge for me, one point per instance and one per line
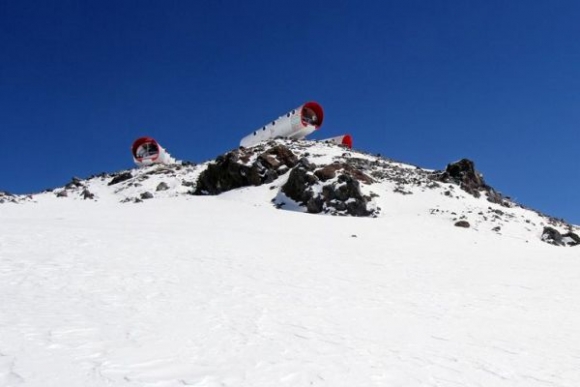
(317, 177)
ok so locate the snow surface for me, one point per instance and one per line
(230, 291)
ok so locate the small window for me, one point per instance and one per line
(255, 133)
(264, 128)
(273, 122)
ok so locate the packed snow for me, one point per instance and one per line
(228, 290)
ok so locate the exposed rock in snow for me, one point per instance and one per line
(124, 176)
(86, 194)
(245, 167)
(554, 237)
(147, 195)
(471, 181)
(75, 183)
(6, 197)
(333, 189)
(162, 186)
(462, 223)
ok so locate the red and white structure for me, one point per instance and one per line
(344, 140)
(147, 151)
(296, 124)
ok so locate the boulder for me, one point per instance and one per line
(120, 178)
(571, 239)
(86, 194)
(162, 186)
(464, 174)
(552, 236)
(333, 189)
(74, 183)
(329, 172)
(235, 169)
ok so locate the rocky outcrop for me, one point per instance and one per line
(120, 178)
(243, 167)
(571, 239)
(87, 195)
(74, 183)
(162, 187)
(321, 178)
(464, 174)
(332, 189)
(554, 237)
(6, 197)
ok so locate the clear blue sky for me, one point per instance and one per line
(424, 82)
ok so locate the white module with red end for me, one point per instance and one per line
(147, 151)
(295, 124)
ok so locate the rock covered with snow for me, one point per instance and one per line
(555, 237)
(6, 197)
(333, 189)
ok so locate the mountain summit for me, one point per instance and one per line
(324, 178)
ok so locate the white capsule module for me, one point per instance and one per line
(295, 124)
(345, 140)
(147, 151)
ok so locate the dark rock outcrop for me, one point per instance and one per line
(554, 237)
(333, 189)
(572, 239)
(87, 195)
(6, 197)
(162, 186)
(297, 186)
(329, 172)
(234, 170)
(463, 224)
(120, 178)
(464, 174)
(74, 183)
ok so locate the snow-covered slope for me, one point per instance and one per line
(229, 290)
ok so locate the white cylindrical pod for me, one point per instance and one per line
(147, 151)
(345, 140)
(295, 124)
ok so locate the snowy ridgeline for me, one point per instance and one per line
(228, 290)
(308, 176)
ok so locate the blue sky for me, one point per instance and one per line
(424, 82)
